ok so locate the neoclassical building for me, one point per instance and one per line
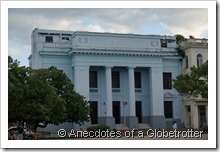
(195, 109)
(126, 77)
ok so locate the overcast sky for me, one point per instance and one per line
(21, 22)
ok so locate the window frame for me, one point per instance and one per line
(48, 39)
(167, 80)
(93, 84)
(116, 82)
(199, 60)
(137, 80)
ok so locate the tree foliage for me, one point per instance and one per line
(179, 39)
(195, 83)
(43, 95)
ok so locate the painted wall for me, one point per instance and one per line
(88, 50)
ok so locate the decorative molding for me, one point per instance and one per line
(170, 95)
(154, 43)
(83, 39)
(124, 53)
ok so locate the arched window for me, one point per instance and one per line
(199, 60)
(187, 62)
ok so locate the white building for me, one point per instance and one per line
(195, 109)
(127, 77)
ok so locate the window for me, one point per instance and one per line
(163, 43)
(167, 81)
(115, 79)
(49, 39)
(65, 38)
(187, 62)
(93, 79)
(199, 60)
(137, 77)
(168, 109)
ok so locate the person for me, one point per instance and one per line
(11, 135)
(174, 125)
(20, 132)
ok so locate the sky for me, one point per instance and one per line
(160, 21)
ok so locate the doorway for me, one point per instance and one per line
(202, 114)
(116, 111)
(138, 108)
(94, 112)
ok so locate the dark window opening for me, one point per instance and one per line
(199, 60)
(93, 79)
(167, 81)
(115, 79)
(137, 77)
(168, 109)
(187, 62)
(65, 38)
(49, 39)
(163, 43)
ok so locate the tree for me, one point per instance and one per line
(43, 95)
(179, 39)
(194, 83)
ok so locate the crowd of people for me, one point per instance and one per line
(19, 131)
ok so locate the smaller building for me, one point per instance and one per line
(195, 109)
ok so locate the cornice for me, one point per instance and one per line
(124, 53)
(193, 45)
(113, 53)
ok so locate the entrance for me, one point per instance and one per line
(138, 109)
(116, 111)
(94, 112)
(202, 114)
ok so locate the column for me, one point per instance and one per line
(132, 119)
(206, 113)
(108, 85)
(81, 80)
(131, 91)
(196, 116)
(157, 118)
(81, 85)
(108, 119)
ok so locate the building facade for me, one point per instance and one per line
(195, 109)
(126, 77)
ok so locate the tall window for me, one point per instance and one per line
(167, 80)
(49, 39)
(168, 109)
(199, 60)
(187, 62)
(93, 79)
(115, 79)
(137, 77)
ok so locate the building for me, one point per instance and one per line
(127, 77)
(195, 109)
